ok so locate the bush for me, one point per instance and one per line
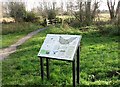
(72, 22)
(109, 30)
(17, 10)
(51, 14)
(59, 20)
(66, 13)
(30, 17)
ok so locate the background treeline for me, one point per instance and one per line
(74, 14)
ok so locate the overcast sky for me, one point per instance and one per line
(34, 3)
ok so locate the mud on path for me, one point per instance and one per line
(12, 48)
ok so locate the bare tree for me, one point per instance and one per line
(5, 9)
(117, 15)
(62, 13)
(70, 6)
(95, 7)
(86, 13)
(17, 10)
(47, 10)
(80, 6)
(111, 6)
(54, 5)
(40, 9)
(118, 9)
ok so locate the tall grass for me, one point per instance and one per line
(14, 31)
(109, 29)
(23, 27)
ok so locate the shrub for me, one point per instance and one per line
(72, 22)
(30, 17)
(51, 14)
(17, 10)
(66, 13)
(59, 20)
(109, 30)
(75, 23)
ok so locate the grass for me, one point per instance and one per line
(65, 17)
(14, 31)
(104, 16)
(98, 62)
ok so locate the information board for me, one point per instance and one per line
(60, 46)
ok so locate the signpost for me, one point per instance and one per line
(61, 47)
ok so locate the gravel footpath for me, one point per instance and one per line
(11, 49)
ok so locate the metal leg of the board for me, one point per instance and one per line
(78, 65)
(74, 69)
(47, 68)
(42, 68)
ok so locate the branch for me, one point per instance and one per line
(95, 8)
(108, 4)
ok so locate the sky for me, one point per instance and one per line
(34, 3)
(31, 3)
(103, 3)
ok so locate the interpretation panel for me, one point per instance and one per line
(59, 46)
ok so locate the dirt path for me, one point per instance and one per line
(11, 49)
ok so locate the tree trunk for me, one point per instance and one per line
(117, 9)
(88, 12)
(111, 9)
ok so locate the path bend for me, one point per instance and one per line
(4, 53)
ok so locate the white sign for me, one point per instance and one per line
(58, 46)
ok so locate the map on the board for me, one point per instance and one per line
(60, 46)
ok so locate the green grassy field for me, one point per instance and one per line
(104, 16)
(12, 32)
(101, 17)
(98, 62)
(65, 17)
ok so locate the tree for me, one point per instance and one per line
(4, 9)
(70, 6)
(61, 7)
(118, 9)
(51, 14)
(30, 17)
(17, 10)
(52, 11)
(86, 13)
(111, 6)
(47, 10)
(118, 12)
